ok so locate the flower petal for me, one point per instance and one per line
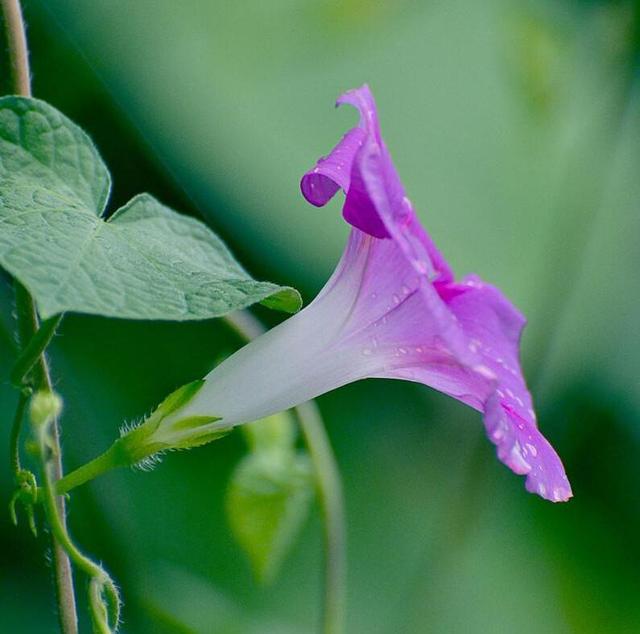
(389, 308)
(525, 450)
(376, 202)
(332, 172)
(493, 327)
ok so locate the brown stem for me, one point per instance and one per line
(28, 324)
(17, 44)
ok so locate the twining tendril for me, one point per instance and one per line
(26, 492)
(104, 598)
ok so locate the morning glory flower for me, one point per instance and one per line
(391, 309)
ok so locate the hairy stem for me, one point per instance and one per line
(16, 427)
(104, 599)
(329, 487)
(67, 613)
(28, 327)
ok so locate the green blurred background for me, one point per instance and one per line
(515, 127)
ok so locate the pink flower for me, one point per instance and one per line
(392, 309)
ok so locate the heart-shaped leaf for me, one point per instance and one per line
(145, 262)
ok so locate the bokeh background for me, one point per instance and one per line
(515, 125)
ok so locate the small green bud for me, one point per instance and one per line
(45, 406)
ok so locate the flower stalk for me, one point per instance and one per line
(163, 430)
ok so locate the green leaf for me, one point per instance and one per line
(275, 432)
(145, 262)
(267, 502)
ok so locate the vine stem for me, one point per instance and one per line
(14, 442)
(28, 326)
(17, 44)
(329, 488)
(67, 611)
(105, 616)
(34, 350)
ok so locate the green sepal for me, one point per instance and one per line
(152, 437)
(163, 430)
(178, 398)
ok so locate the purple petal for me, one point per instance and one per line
(332, 172)
(392, 309)
(493, 327)
(525, 450)
(408, 316)
(376, 202)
